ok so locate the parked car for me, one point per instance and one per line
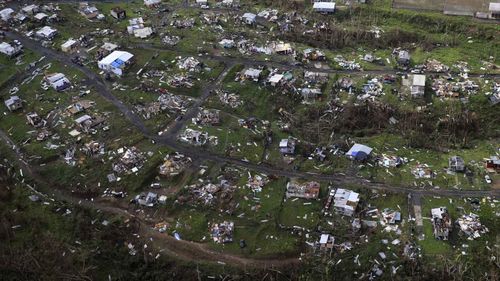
(487, 179)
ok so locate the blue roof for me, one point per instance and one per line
(117, 63)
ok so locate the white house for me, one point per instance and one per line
(14, 103)
(6, 14)
(143, 32)
(41, 16)
(345, 201)
(69, 46)
(324, 7)
(494, 10)
(359, 152)
(11, 50)
(116, 62)
(30, 9)
(275, 79)
(151, 3)
(46, 33)
(58, 81)
(418, 86)
(249, 18)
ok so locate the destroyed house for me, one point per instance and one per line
(57, 81)
(345, 201)
(35, 120)
(11, 49)
(441, 223)
(86, 123)
(418, 86)
(287, 146)
(88, 11)
(118, 13)
(314, 55)
(456, 164)
(13, 103)
(324, 7)
(308, 190)
(148, 200)
(107, 48)
(116, 62)
(222, 232)
(471, 226)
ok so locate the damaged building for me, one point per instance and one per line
(307, 190)
(441, 223)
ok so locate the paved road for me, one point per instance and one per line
(247, 61)
(170, 141)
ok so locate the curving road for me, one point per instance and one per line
(169, 140)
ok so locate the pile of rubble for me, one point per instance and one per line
(174, 164)
(93, 148)
(148, 110)
(170, 40)
(131, 161)
(197, 138)
(229, 99)
(222, 232)
(256, 182)
(207, 193)
(186, 23)
(471, 226)
(189, 63)
(373, 88)
(180, 81)
(433, 65)
(450, 89)
(207, 117)
(389, 161)
(422, 171)
(172, 102)
(345, 64)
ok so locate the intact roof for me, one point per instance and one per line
(46, 30)
(82, 119)
(116, 58)
(69, 43)
(252, 72)
(41, 16)
(249, 16)
(109, 46)
(419, 80)
(324, 238)
(494, 7)
(276, 78)
(359, 148)
(284, 143)
(324, 5)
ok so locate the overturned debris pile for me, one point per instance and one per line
(197, 138)
(207, 117)
(189, 63)
(471, 226)
(229, 99)
(209, 192)
(131, 161)
(222, 232)
(257, 182)
(174, 164)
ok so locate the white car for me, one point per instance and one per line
(487, 179)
